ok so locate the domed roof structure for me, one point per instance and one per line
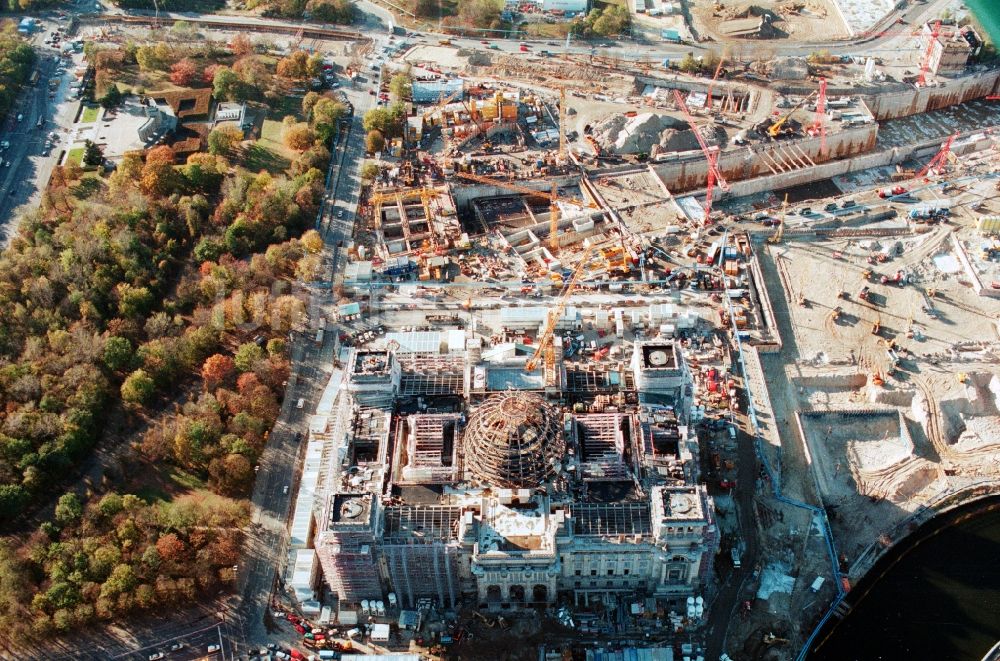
(514, 440)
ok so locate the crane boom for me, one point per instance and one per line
(775, 128)
(723, 184)
(441, 104)
(545, 340)
(524, 190)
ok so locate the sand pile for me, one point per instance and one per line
(639, 134)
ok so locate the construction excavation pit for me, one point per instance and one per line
(861, 457)
(970, 419)
(514, 440)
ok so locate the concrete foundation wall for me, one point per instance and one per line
(796, 156)
(918, 100)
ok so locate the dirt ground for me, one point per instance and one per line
(817, 20)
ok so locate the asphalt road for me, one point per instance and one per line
(267, 540)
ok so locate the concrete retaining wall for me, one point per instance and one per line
(919, 100)
(970, 272)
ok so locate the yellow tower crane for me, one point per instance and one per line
(552, 197)
(544, 347)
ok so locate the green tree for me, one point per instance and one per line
(276, 347)
(92, 154)
(112, 97)
(369, 171)
(226, 84)
(69, 509)
(138, 388)
(223, 139)
(118, 354)
(688, 64)
(247, 356)
(400, 87)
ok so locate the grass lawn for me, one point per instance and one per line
(269, 153)
(75, 154)
(164, 482)
(90, 114)
(547, 30)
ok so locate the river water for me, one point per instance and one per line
(936, 598)
(988, 13)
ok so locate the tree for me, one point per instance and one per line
(92, 154)
(333, 11)
(688, 63)
(241, 45)
(387, 121)
(326, 114)
(374, 142)
(217, 370)
(170, 547)
(298, 136)
(481, 13)
(69, 509)
(226, 84)
(247, 356)
(223, 139)
(369, 171)
(118, 354)
(158, 179)
(295, 66)
(183, 72)
(312, 241)
(112, 97)
(275, 347)
(400, 87)
(138, 388)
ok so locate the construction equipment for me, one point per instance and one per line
(552, 197)
(939, 159)
(771, 639)
(819, 126)
(714, 176)
(775, 129)
(441, 104)
(711, 85)
(925, 65)
(877, 325)
(780, 233)
(835, 313)
(544, 347)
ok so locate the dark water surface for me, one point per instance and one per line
(936, 599)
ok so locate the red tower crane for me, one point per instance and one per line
(940, 158)
(818, 124)
(714, 176)
(925, 66)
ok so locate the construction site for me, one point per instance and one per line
(622, 346)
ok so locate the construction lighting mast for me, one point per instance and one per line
(818, 124)
(714, 176)
(562, 124)
(925, 66)
(711, 85)
(939, 159)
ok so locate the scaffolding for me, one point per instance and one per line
(420, 546)
(431, 374)
(514, 440)
(431, 448)
(611, 519)
(601, 437)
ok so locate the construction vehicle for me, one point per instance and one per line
(835, 313)
(877, 326)
(771, 639)
(544, 347)
(866, 274)
(897, 279)
(780, 233)
(863, 294)
(775, 129)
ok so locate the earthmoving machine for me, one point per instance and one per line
(877, 326)
(780, 233)
(775, 129)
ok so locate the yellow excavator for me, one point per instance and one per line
(775, 129)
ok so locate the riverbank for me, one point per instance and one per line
(936, 596)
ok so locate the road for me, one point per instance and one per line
(267, 540)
